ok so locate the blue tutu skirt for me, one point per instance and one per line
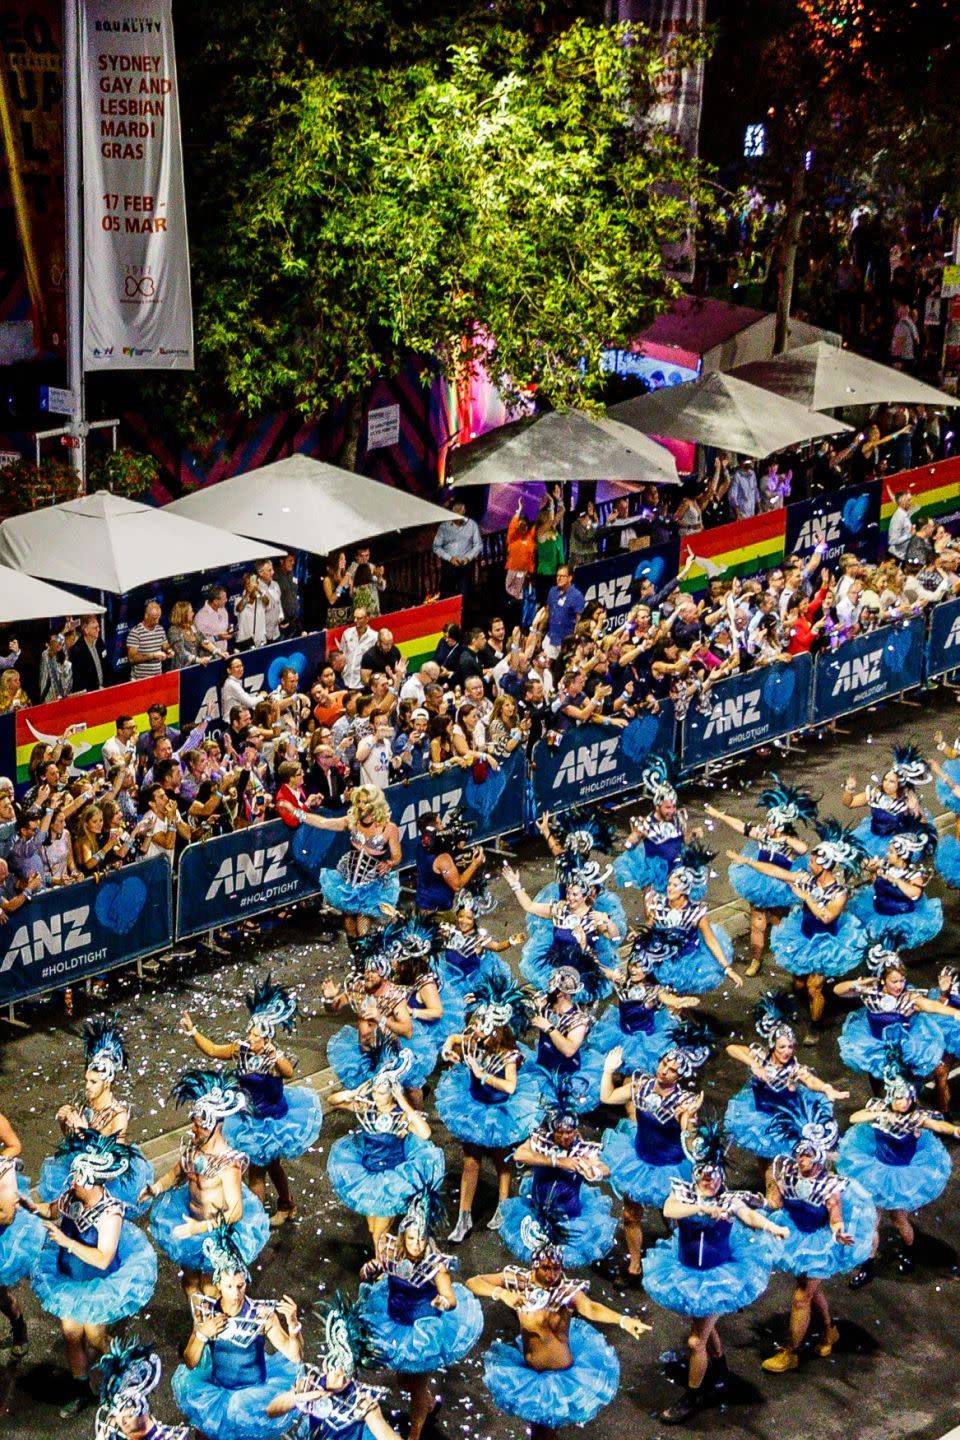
(917, 927)
(20, 1244)
(640, 1051)
(250, 1233)
(946, 862)
(55, 1176)
(457, 986)
(359, 899)
(634, 1178)
(489, 1127)
(822, 954)
(382, 1192)
(432, 1342)
(607, 901)
(762, 891)
(895, 1187)
(587, 1080)
(538, 960)
(233, 1414)
(634, 869)
(944, 795)
(949, 1026)
(696, 972)
(453, 1020)
(876, 845)
(815, 1253)
(922, 1040)
(720, 1290)
(749, 1127)
(590, 1234)
(353, 1066)
(106, 1299)
(554, 1397)
(282, 1137)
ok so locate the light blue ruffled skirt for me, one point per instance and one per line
(233, 1414)
(250, 1233)
(489, 1127)
(815, 1252)
(637, 1179)
(106, 1298)
(719, 1290)
(554, 1397)
(895, 1187)
(914, 928)
(283, 1137)
(382, 1192)
(366, 899)
(20, 1244)
(590, 1235)
(821, 954)
(921, 1038)
(431, 1342)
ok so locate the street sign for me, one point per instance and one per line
(58, 402)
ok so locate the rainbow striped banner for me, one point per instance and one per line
(416, 632)
(935, 489)
(745, 547)
(97, 712)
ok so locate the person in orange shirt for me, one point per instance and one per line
(521, 562)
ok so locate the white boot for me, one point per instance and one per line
(462, 1228)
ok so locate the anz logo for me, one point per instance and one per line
(586, 762)
(953, 639)
(859, 672)
(813, 532)
(46, 939)
(734, 713)
(439, 804)
(613, 593)
(247, 872)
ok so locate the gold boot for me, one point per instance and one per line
(781, 1362)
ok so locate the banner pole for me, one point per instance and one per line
(73, 216)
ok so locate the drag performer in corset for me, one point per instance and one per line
(419, 1321)
(365, 880)
(100, 1110)
(333, 1403)
(489, 1099)
(205, 1187)
(775, 841)
(891, 1010)
(819, 936)
(645, 1153)
(831, 1223)
(777, 1081)
(228, 1378)
(893, 1150)
(95, 1268)
(129, 1373)
(377, 1169)
(277, 1124)
(892, 803)
(21, 1236)
(714, 1263)
(559, 1371)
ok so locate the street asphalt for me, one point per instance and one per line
(891, 1376)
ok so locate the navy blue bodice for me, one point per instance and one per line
(637, 1018)
(883, 823)
(265, 1093)
(703, 1243)
(768, 1100)
(782, 858)
(810, 925)
(668, 850)
(882, 1022)
(382, 1152)
(235, 1367)
(895, 1149)
(551, 1059)
(72, 1265)
(486, 1094)
(407, 1302)
(465, 966)
(657, 1141)
(806, 1216)
(889, 900)
(433, 892)
(561, 1186)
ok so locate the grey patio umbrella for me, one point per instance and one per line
(823, 377)
(557, 447)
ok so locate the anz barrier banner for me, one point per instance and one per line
(848, 521)
(67, 934)
(494, 805)
(200, 684)
(943, 639)
(610, 581)
(592, 762)
(869, 669)
(748, 710)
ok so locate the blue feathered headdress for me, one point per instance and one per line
(103, 1047)
(691, 1046)
(787, 805)
(773, 1016)
(499, 1000)
(96, 1159)
(653, 945)
(806, 1125)
(426, 1212)
(271, 1007)
(546, 1230)
(839, 847)
(221, 1249)
(898, 1079)
(909, 765)
(349, 1343)
(658, 778)
(706, 1147)
(916, 838)
(213, 1095)
(414, 938)
(560, 1109)
(582, 829)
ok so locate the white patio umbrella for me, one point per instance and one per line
(823, 377)
(104, 542)
(23, 598)
(558, 447)
(725, 411)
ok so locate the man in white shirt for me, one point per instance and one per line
(272, 601)
(848, 607)
(121, 749)
(474, 692)
(375, 754)
(233, 693)
(414, 686)
(355, 641)
(212, 620)
(901, 526)
(147, 646)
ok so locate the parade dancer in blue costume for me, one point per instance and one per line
(415, 946)
(896, 901)
(947, 991)
(891, 1009)
(205, 1187)
(563, 1164)
(831, 1222)
(646, 1014)
(714, 1263)
(777, 1081)
(559, 1371)
(21, 1236)
(892, 803)
(579, 935)
(947, 861)
(95, 1268)
(105, 1057)
(645, 1152)
(819, 937)
(331, 1403)
(365, 880)
(776, 842)
(704, 955)
(129, 1373)
(893, 1150)
(470, 950)
(378, 1168)
(656, 840)
(489, 1100)
(278, 1124)
(572, 839)
(419, 1320)
(562, 1028)
(227, 1378)
(381, 1009)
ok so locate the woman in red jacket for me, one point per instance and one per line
(800, 626)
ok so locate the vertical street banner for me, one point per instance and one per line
(31, 125)
(137, 310)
